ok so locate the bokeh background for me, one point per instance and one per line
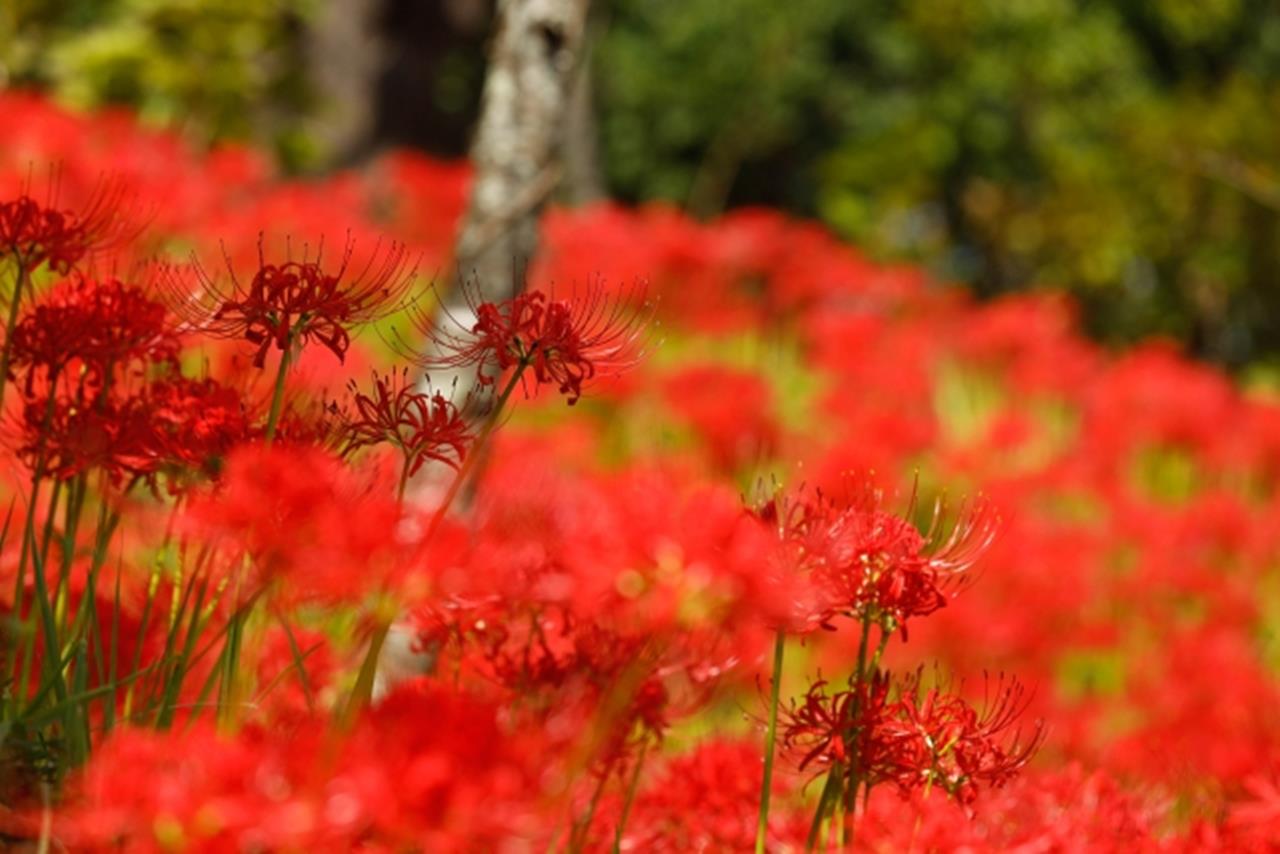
(1123, 150)
(1107, 165)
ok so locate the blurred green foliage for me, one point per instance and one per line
(218, 68)
(1125, 149)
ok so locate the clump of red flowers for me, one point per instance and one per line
(420, 425)
(916, 740)
(290, 303)
(226, 624)
(560, 341)
(35, 233)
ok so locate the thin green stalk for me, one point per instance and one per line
(277, 394)
(227, 690)
(173, 679)
(404, 481)
(46, 819)
(29, 545)
(219, 664)
(362, 692)
(153, 586)
(15, 306)
(46, 536)
(113, 660)
(70, 527)
(632, 787)
(298, 665)
(830, 790)
(578, 836)
(850, 799)
(76, 720)
(469, 464)
(770, 740)
(49, 626)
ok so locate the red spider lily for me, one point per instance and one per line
(63, 437)
(916, 741)
(427, 769)
(323, 531)
(627, 687)
(722, 778)
(101, 325)
(867, 562)
(421, 425)
(936, 738)
(291, 303)
(565, 342)
(36, 233)
(837, 729)
(310, 423)
(196, 422)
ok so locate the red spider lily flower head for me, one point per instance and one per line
(35, 233)
(307, 521)
(427, 769)
(196, 423)
(62, 437)
(291, 303)
(421, 425)
(101, 325)
(566, 342)
(795, 603)
(723, 778)
(867, 561)
(915, 741)
(305, 422)
(935, 738)
(826, 730)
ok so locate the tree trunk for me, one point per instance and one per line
(533, 63)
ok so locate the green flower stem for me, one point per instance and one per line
(15, 305)
(363, 690)
(762, 829)
(631, 797)
(830, 794)
(473, 453)
(277, 394)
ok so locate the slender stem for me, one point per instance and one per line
(631, 797)
(277, 395)
(770, 739)
(297, 661)
(404, 480)
(113, 660)
(363, 690)
(578, 836)
(473, 454)
(829, 790)
(855, 764)
(15, 304)
(46, 817)
(228, 689)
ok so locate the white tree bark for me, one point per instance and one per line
(532, 69)
(533, 62)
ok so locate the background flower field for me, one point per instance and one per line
(1133, 585)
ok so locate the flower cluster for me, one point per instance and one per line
(914, 741)
(35, 233)
(564, 342)
(226, 623)
(291, 303)
(860, 561)
(420, 425)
